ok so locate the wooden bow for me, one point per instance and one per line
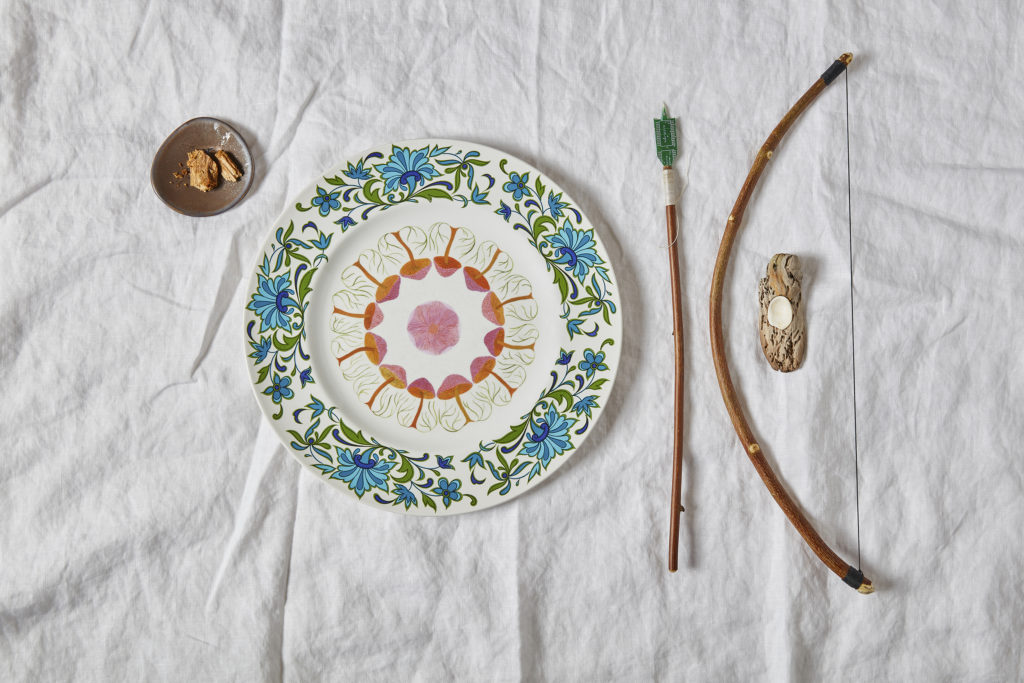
(850, 575)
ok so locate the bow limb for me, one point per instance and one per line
(850, 575)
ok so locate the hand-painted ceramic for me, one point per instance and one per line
(208, 134)
(433, 328)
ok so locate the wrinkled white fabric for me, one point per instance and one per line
(152, 527)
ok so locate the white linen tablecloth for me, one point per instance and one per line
(152, 527)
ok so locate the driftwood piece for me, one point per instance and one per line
(782, 313)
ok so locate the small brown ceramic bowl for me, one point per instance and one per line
(208, 134)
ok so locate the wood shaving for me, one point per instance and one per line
(228, 169)
(202, 171)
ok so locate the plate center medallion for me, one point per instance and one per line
(433, 327)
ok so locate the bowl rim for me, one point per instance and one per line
(162, 150)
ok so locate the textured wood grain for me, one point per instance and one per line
(784, 348)
(202, 170)
(677, 439)
(730, 396)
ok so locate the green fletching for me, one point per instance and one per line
(665, 138)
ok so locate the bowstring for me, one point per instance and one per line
(853, 335)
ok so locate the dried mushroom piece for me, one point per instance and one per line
(202, 171)
(229, 170)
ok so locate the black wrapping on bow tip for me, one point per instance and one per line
(854, 577)
(832, 73)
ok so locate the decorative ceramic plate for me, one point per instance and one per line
(433, 328)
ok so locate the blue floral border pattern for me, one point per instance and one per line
(408, 176)
(393, 477)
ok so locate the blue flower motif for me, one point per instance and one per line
(316, 405)
(261, 349)
(408, 168)
(585, 405)
(445, 463)
(480, 197)
(565, 358)
(462, 167)
(555, 204)
(279, 389)
(361, 471)
(505, 211)
(323, 241)
(309, 442)
(475, 459)
(326, 200)
(405, 496)
(357, 172)
(517, 185)
(592, 362)
(307, 376)
(345, 222)
(550, 436)
(576, 250)
(448, 490)
(316, 408)
(273, 301)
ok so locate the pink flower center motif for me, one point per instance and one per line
(434, 327)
